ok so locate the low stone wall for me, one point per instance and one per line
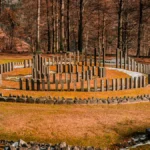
(58, 100)
(22, 145)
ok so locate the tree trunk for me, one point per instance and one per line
(38, 27)
(140, 28)
(57, 28)
(48, 28)
(103, 37)
(12, 37)
(99, 37)
(103, 31)
(125, 34)
(86, 46)
(62, 25)
(119, 30)
(53, 27)
(80, 30)
(68, 25)
(120, 24)
(0, 7)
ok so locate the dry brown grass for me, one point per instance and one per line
(97, 125)
(4, 58)
(19, 72)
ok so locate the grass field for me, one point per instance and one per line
(77, 125)
(4, 58)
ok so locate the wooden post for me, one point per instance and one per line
(75, 86)
(82, 85)
(131, 83)
(68, 85)
(20, 82)
(38, 85)
(113, 85)
(56, 85)
(43, 85)
(62, 85)
(117, 84)
(88, 85)
(32, 85)
(102, 85)
(27, 84)
(95, 85)
(107, 84)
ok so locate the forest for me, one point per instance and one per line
(55, 26)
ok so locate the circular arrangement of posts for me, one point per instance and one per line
(73, 72)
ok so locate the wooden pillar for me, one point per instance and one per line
(68, 85)
(102, 85)
(107, 84)
(113, 84)
(38, 85)
(95, 85)
(20, 82)
(82, 85)
(32, 85)
(27, 84)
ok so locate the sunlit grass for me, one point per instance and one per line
(77, 125)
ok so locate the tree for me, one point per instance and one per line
(120, 24)
(80, 29)
(62, 25)
(140, 27)
(57, 27)
(53, 26)
(48, 27)
(0, 7)
(38, 26)
(68, 25)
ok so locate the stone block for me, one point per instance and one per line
(11, 99)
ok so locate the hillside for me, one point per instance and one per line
(18, 44)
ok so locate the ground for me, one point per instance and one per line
(96, 125)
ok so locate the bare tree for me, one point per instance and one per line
(0, 7)
(80, 29)
(68, 25)
(62, 25)
(57, 27)
(140, 27)
(48, 26)
(120, 10)
(38, 26)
